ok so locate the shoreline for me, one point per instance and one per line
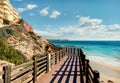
(107, 71)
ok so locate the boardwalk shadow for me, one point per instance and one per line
(69, 71)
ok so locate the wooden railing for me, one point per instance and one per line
(30, 71)
(91, 76)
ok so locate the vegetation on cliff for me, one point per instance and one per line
(18, 41)
(18, 44)
(9, 54)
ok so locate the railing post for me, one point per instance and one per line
(68, 50)
(96, 76)
(74, 51)
(78, 52)
(55, 57)
(83, 62)
(59, 55)
(7, 74)
(65, 50)
(62, 53)
(87, 71)
(35, 69)
(81, 52)
(48, 62)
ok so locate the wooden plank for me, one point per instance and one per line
(22, 65)
(38, 68)
(42, 58)
(40, 63)
(52, 57)
(55, 58)
(41, 55)
(35, 70)
(90, 80)
(22, 72)
(53, 62)
(42, 70)
(90, 69)
(1, 81)
(28, 80)
(90, 72)
(23, 77)
(1, 73)
(39, 75)
(7, 74)
(96, 76)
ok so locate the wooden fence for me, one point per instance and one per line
(91, 76)
(30, 71)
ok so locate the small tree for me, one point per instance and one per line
(6, 22)
(21, 21)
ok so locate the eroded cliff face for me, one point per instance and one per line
(18, 38)
(26, 41)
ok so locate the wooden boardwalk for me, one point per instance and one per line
(68, 65)
(68, 70)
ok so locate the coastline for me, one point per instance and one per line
(107, 71)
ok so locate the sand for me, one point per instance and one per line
(107, 71)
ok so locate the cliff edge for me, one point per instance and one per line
(18, 42)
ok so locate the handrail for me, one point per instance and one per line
(92, 76)
(29, 71)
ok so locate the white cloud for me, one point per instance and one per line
(31, 6)
(18, 0)
(28, 7)
(21, 9)
(88, 21)
(55, 14)
(44, 11)
(32, 14)
(88, 29)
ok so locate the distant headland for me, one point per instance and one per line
(57, 39)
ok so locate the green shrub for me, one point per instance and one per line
(21, 21)
(9, 54)
(6, 22)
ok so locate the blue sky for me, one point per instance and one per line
(73, 19)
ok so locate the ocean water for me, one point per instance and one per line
(101, 51)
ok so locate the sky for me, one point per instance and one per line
(72, 19)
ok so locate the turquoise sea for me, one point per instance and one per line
(101, 51)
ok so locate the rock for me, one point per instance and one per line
(28, 27)
(102, 82)
(110, 81)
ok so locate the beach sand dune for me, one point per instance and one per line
(107, 72)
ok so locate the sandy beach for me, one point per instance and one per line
(107, 71)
